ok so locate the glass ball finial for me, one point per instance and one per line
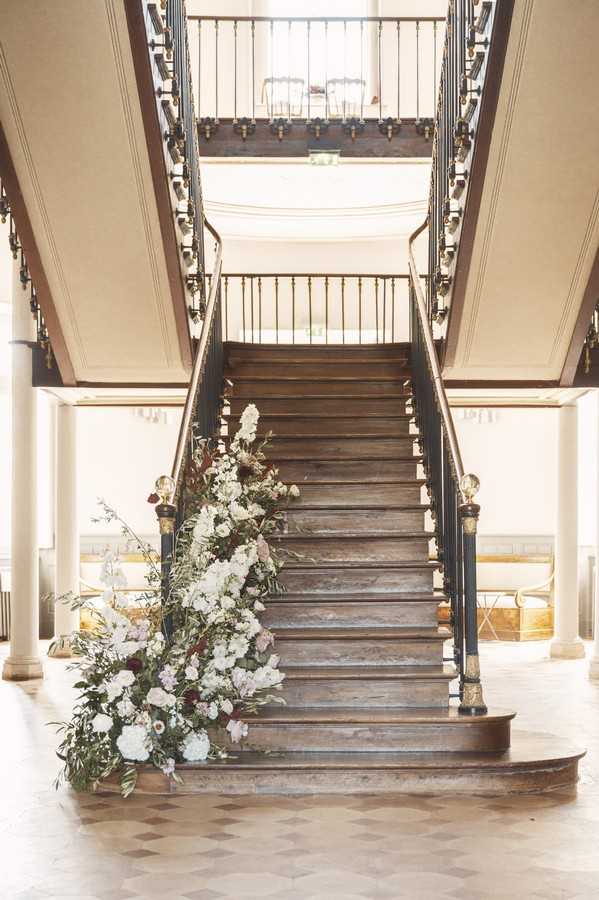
(469, 485)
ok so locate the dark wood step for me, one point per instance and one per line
(373, 729)
(315, 425)
(307, 406)
(393, 612)
(315, 351)
(353, 519)
(352, 548)
(250, 388)
(372, 686)
(343, 494)
(374, 369)
(338, 447)
(341, 579)
(383, 646)
(533, 764)
(366, 471)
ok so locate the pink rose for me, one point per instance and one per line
(263, 549)
(264, 640)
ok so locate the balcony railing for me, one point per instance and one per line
(309, 308)
(318, 73)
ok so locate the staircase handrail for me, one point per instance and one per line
(433, 361)
(184, 437)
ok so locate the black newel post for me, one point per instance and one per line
(166, 513)
(472, 703)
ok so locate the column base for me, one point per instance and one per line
(61, 647)
(566, 649)
(22, 668)
(594, 668)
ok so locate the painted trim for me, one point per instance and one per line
(589, 299)
(34, 262)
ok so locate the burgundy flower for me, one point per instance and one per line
(153, 498)
(191, 697)
(134, 664)
(199, 647)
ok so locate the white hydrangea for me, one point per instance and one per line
(196, 746)
(102, 723)
(237, 729)
(204, 526)
(134, 743)
(247, 425)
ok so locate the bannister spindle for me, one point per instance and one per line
(253, 30)
(199, 111)
(342, 309)
(376, 306)
(235, 72)
(259, 310)
(472, 697)
(272, 69)
(398, 71)
(216, 70)
(384, 307)
(289, 79)
(361, 70)
(360, 310)
(326, 71)
(380, 62)
(277, 308)
(293, 309)
(308, 70)
(252, 308)
(326, 309)
(243, 305)
(393, 310)
(226, 307)
(417, 71)
(310, 305)
(344, 69)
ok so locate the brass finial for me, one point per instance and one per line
(165, 488)
(469, 485)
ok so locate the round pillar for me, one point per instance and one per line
(23, 661)
(594, 661)
(567, 643)
(66, 531)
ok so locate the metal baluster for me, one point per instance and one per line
(326, 309)
(417, 71)
(199, 69)
(226, 307)
(235, 71)
(253, 72)
(259, 310)
(376, 306)
(434, 68)
(216, 70)
(310, 304)
(277, 308)
(342, 309)
(252, 307)
(293, 309)
(308, 70)
(393, 310)
(380, 72)
(361, 70)
(289, 75)
(272, 69)
(243, 305)
(360, 310)
(398, 71)
(326, 70)
(472, 700)
(384, 305)
(344, 69)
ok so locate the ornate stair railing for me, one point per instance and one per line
(452, 493)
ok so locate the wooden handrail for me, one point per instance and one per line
(199, 360)
(437, 379)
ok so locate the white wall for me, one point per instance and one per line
(120, 456)
(515, 457)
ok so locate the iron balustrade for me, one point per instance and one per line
(318, 72)
(451, 493)
(314, 308)
(463, 70)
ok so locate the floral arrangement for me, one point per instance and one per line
(154, 689)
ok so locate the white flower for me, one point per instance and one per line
(238, 646)
(133, 743)
(102, 723)
(223, 530)
(212, 711)
(227, 603)
(204, 526)
(259, 606)
(247, 425)
(125, 677)
(255, 510)
(168, 678)
(262, 548)
(125, 708)
(157, 697)
(158, 726)
(196, 746)
(226, 706)
(294, 491)
(191, 673)
(169, 767)
(238, 512)
(237, 729)
(155, 645)
(264, 640)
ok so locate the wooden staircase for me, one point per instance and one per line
(367, 685)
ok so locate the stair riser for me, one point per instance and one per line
(494, 736)
(367, 495)
(329, 426)
(343, 693)
(364, 651)
(339, 448)
(316, 352)
(352, 520)
(342, 581)
(346, 470)
(391, 406)
(366, 613)
(343, 550)
(321, 370)
(268, 388)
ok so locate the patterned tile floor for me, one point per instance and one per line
(56, 844)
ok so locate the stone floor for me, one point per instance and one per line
(56, 844)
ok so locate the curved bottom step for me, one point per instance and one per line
(535, 763)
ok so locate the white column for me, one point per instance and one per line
(24, 661)
(66, 531)
(567, 643)
(594, 662)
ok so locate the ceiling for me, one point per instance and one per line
(538, 226)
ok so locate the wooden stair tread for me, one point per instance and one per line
(310, 378)
(400, 564)
(375, 716)
(316, 415)
(370, 673)
(353, 535)
(366, 597)
(420, 507)
(360, 633)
